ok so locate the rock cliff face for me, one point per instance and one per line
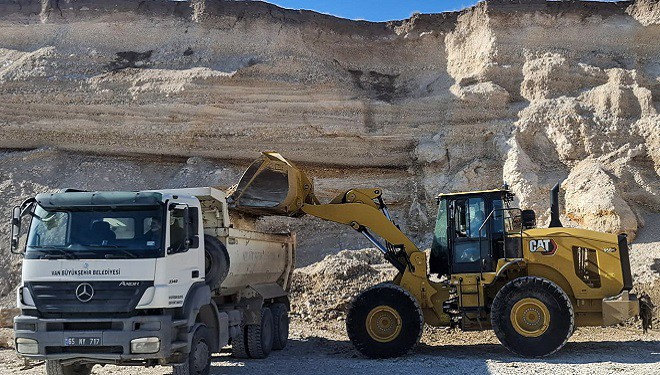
(529, 92)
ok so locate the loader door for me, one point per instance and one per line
(470, 245)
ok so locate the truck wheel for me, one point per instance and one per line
(57, 368)
(532, 316)
(260, 336)
(238, 347)
(384, 321)
(199, 359)
(216, 261)
(280, 325)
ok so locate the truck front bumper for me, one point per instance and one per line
(94, 340)
(619, 308)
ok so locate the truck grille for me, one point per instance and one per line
(108, 296)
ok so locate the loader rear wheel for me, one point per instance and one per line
(216, 261)
(54, 367)
(280, 325)
(259, 337)
(384, 321)
(532, 316)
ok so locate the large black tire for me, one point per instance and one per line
(57, 368)
(280, 325)
(532, 316)
(384, 321)
(199, 359)
(238, 345)
(216, 259)
(259, 337)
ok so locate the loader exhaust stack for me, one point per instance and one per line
(554, 206)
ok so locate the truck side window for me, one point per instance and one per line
(177, 231)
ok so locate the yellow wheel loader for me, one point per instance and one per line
(489, 267)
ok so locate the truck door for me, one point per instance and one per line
(470, 245)
(183, 251)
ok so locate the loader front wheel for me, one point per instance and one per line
(532, 316)
(384, 321)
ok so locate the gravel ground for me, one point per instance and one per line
(325, 349)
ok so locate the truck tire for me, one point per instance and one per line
(280, 325)
(216, 261)
(57, 368)
(384, 321)
(260, 336)
(199, 358)
(532, 316)
(238, 347)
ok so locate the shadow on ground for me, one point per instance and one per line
(322, 356)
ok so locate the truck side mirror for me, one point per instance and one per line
(15, 229)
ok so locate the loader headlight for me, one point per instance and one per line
(145, 345)
(27, 346)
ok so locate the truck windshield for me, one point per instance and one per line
(96, 233)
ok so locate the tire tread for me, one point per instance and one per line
(499, 305)
(362, 346)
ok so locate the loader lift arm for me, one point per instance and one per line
(365, 211)
(274, 186)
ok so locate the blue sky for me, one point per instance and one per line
(375, 10)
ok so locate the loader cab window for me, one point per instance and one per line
(439, 259)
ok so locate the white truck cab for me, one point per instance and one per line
(146, 278)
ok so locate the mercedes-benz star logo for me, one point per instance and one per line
(84, 292)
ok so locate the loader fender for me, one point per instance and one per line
(549, 273)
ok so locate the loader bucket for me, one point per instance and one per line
(272, 186)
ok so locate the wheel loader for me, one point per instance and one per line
(490, 266)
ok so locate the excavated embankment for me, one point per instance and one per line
(184, 94)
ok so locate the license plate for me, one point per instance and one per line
(82, 341)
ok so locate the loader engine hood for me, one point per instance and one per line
(272, 186)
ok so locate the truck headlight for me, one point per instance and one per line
(145, 345)
(27, 297)
(27, 346)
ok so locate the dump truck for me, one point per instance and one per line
(490, 265)
(162, 277)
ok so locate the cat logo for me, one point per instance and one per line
(545, 247)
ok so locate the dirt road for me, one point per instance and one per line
(326, 350)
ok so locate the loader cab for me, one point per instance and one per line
(470, 234)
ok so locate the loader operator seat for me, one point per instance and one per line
(101, 232)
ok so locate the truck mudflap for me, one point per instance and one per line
(272, 186)
(620, 308)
